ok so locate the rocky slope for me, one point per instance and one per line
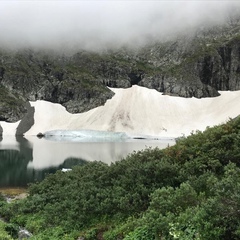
(197, 64)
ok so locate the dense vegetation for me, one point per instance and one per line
(188, 191)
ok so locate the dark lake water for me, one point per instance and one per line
(25, 160)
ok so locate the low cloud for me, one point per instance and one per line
(69, 25)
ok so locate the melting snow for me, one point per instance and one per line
(138, 111)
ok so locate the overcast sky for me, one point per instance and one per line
(100, 24)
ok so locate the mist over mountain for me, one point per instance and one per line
(100, 25)
(74, 52)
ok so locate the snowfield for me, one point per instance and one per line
(137, 111)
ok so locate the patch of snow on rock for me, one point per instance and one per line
(139, 111)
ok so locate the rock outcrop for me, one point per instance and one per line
(198, 64)
(27, 121)
(29, 76)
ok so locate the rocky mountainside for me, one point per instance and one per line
(197, 64)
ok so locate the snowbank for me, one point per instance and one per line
(138, 111)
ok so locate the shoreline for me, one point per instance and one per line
(13, 191)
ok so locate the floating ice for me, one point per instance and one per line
(85, 135)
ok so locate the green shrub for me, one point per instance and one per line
(3, 232)
(187, 191)
(140, 233)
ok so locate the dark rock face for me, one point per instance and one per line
(30, 76)
(222, 71)
(195, 65)
(12, 107)
(1, 131)
(178, 87)
(27, 121)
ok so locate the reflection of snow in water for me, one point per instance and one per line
(48, 153)
(25, 160)
(9, 142)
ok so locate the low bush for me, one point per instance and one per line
(187, 191)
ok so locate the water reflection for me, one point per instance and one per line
(25, 160)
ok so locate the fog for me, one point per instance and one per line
(96, 25)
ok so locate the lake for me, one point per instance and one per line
(28, 159)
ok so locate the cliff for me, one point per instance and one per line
(197, 64)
